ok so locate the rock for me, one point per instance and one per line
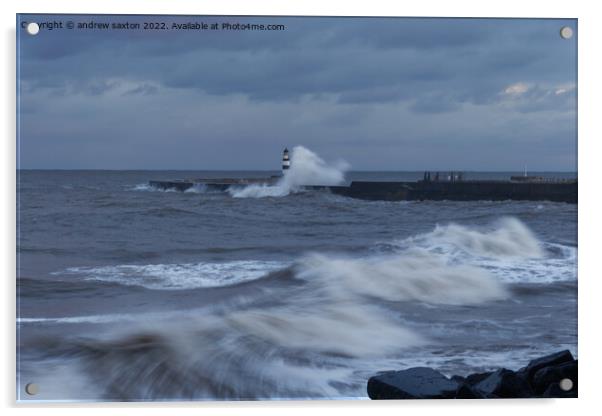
(458, 379)
(414, 383)
(466, 391)
(540, 378)
(547, 376)
(504, 384)
(477, 377)
(546, 361)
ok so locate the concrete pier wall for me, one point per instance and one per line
(556, 191)
(463, 191)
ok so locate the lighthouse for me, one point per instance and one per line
(286, 163)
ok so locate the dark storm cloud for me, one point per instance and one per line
(326, 80)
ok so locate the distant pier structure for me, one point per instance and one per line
(286, 162)
(434, 186)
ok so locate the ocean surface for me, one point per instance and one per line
(126, 292)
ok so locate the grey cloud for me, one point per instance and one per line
(144, 89)
(471, 58)
(351, 80)
(434, 103)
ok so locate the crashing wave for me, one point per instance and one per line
(306, 169)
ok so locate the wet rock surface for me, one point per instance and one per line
(545, 377)
(414, 383)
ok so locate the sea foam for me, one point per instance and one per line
(307, 168)
(178, 276)
(506, 248)
(415, 275)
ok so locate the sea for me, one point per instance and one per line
(129, 293)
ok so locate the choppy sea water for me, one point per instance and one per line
(129, 293)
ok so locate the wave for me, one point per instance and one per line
(307, 168)
(199, 188)
(452, 264)
(297, 343)
(508, 238)
(320, 337)
(145, 187)
(415, 275)
(178, 276)
(296, 349)
(507, 248)
(142, 187)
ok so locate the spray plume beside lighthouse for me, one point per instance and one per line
(312, 173)
(286, 162)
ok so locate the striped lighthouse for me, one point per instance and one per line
(286, 163)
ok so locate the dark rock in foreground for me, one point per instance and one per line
(548, 376)
(540, 378)
(504, 384)
(547, 361)
(415, 383)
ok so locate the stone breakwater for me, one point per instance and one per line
(496, 190)
(551, 376)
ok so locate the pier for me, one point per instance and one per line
(434, 186)
(456, 189)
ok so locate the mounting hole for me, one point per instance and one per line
(566, 32)
(566, 384)
(33, 28)
(31, 389)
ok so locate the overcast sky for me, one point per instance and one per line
(380, 93)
